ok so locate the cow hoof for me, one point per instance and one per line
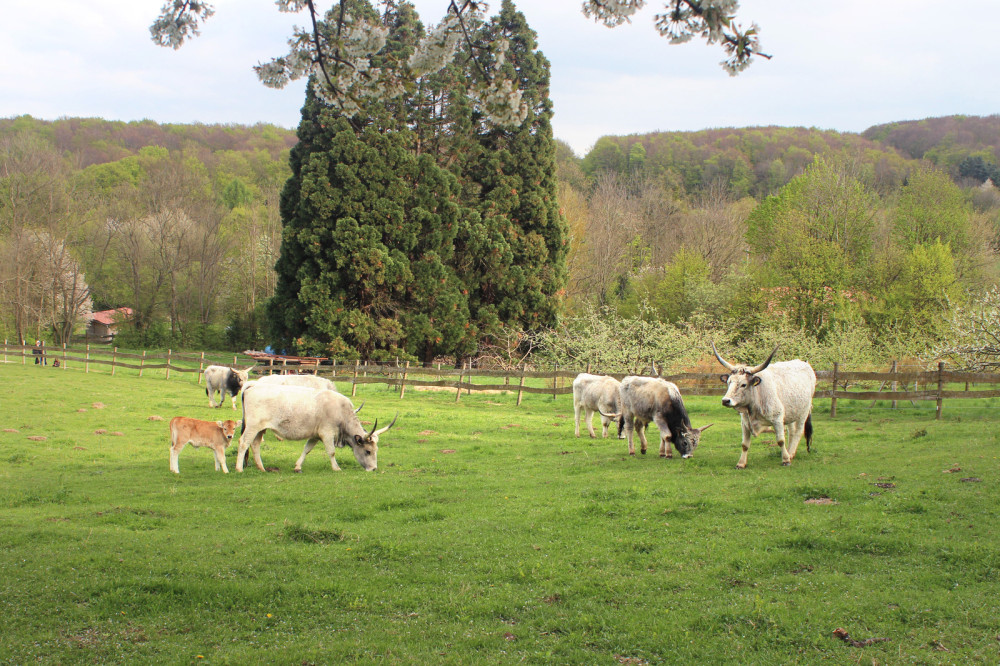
(786, 463)
(297, 471)
(741, 467)
(664, 455)
(643, 452)
(632, 453)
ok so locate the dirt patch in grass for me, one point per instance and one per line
(11, 430)
(448, 451)
(38, 438)
(100, 431)
(154, 417)
(970, 479)
(954, 468)
(426, 432)
(821, 500)
(98, 405)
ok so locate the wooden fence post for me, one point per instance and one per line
(64, 356)
(23, 356)
(87, 366)
(270, 366)
(201, 367)
(333, 372)
(940, 400)
(833, 394)
(354, 381)
(555, 378)
(5, 351)
(520, 385)
(142, 362)
(114, 355)
(458, 386)
(894, 384)
(168, 364)
(402, 384)
(588, 367)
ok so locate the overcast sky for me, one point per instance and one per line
(843, 65)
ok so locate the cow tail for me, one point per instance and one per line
(243, 407)
(809, 433)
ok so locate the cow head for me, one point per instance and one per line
(228, 428)
(687, 441)
(365, 446)
(741, 380)
(243, 376)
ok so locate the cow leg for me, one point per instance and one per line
(211, 397)
(589, 415)
(220, 458)
(253, 442)
(576, 416)
(629, 431)
(605, 422)
(305, 451)
(747, 432)
(779, 436)
(235, 395)
(642, 438)
(331, 450)
(794, 437)
(665, 450)
(175, 451)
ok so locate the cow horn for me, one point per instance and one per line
(359, 407)
(379, 432)
(754, 371)
(704, 428)
(727, 366)
(610, 416)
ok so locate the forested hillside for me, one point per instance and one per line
(823, 241)
(806, 236)
(178, 222)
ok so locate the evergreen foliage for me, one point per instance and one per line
(417, 230)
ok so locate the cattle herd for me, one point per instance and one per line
(768, 397)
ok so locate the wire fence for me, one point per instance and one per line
(836, 384)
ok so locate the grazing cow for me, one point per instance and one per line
(597, 393)
(771, 395)
(213, 434)
(651, 399)
(224, 380)
(309, 381)
(296, 413)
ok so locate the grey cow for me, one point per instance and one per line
(597, 393)
(771, 395)
(224, 380)
(297, 413)
(648, 400)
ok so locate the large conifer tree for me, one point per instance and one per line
(413, 228)
(515, 262)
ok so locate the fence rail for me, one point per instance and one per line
(554, 382)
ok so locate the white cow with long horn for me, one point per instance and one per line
(771, 395)
(297, 413)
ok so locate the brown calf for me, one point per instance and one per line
(213, 434)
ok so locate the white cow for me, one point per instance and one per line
(771, 395)
(597, 393)
(224, 380)
(297, 413)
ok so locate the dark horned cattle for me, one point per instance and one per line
(771, 395)
(224, 380)
(648, 400)
(297, 413)
(597, 393)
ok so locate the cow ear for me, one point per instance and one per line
(724, 379)
(755, 381)
(358, 439)
(220, 424)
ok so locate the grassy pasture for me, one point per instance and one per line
(490, 534)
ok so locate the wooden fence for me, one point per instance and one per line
(926, 384)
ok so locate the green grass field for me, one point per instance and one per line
(490, 534)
